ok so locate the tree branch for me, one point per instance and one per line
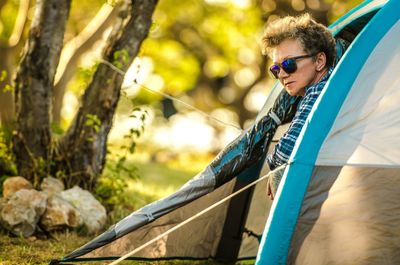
(73, 50)
(20, 23)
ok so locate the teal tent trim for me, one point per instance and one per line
(357, 12)
(281, 223)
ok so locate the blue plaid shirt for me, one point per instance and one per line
(284, 148)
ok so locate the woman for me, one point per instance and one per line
(303, 54)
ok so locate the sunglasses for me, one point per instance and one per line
(289, 65)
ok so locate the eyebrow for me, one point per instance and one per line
(284, 58)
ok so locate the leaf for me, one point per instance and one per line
(8, 88)
(3, 75)
(132, 148)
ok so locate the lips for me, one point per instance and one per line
(288, 83)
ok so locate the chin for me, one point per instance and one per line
(291, 92)
(295, 91)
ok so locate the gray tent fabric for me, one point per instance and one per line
(187, 242)
(350, 215)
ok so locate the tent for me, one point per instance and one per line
(338, 203)
(338, 200)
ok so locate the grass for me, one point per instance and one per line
(156, 180)
(33, 250)
(28, 251)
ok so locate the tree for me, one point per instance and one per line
(80, 154)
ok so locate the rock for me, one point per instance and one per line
(13, 184)
(60, 214)
(93, 213)
(21, 213)
(52, 186)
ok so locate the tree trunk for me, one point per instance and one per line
(33, 88)
(82, 150)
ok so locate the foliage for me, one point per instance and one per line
(3, 75)
(7, 87)
(7, 160)
(113, 181)
(121, 57)
(191, 35)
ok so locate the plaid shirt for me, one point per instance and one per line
(284, 148)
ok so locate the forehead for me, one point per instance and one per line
(286, 49)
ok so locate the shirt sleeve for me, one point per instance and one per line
(284, 148)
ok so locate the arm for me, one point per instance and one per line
(252, 145)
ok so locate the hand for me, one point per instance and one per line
(270, 194)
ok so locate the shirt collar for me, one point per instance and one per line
(323, 80)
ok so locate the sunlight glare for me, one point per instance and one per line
(245, 77)
(226, 136)
(188, 131)
(69, 106)
(139, 70)
(256, 98)
(242, 3)
(155, 82)
(238, 3)
(246, 56)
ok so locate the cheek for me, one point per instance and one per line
(306, 76)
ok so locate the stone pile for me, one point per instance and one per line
(23, 209)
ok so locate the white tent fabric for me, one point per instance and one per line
(365, 129)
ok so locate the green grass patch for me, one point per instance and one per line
(32, 250)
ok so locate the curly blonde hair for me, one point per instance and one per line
(313, 36)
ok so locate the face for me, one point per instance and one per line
(309, 70)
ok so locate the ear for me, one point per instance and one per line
(320, 61)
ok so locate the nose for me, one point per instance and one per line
(282, 73)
